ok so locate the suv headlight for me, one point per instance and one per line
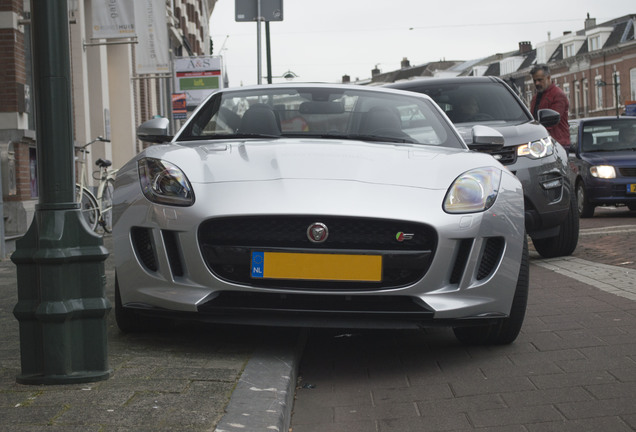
(603, 171)
(164, 183)
(537, 149)
(474, 191)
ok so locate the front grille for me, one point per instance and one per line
(505, 155)
(227, 244)
(620, 190)
(627, 172)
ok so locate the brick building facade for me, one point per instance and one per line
(595, 66)
(17, 137)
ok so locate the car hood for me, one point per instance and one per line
(514, 134)
(261, 160)
(623, 158)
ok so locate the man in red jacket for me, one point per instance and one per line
(550, 96)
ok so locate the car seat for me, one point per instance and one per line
(261, 120)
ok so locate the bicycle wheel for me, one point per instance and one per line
(88, 206)
(106, 207)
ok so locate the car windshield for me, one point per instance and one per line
(609, 135)
(320, 112)
(476, 102)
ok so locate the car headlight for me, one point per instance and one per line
(603, 171)
(164, 183)
(537, 149)
(474, 191)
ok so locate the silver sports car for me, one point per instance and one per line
(322, 206)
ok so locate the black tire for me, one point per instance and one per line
(586, 210)
(88, 206)
(631, 206)
(506, 330)
(106, 215)
(565, 242)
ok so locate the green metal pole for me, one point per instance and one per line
(62, 307)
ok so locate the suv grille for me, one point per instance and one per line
(506, 155)
(227, 243)
(628, 172)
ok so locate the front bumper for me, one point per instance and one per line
(610, 191)
(468, 272)
(547, 192)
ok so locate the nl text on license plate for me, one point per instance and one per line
(312, 266)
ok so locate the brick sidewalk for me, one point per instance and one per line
(573, 368)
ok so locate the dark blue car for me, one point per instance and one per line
(603, 161)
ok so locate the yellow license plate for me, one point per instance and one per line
(309, 266)
(631, 188)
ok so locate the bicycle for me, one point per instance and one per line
(97, 210)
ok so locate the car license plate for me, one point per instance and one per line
(309, 266)
(631, 188)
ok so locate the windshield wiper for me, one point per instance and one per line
(362, 137)
(227, 136)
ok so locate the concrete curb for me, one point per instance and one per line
(264, 396)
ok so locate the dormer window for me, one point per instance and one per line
(572, 44)
(597, 37)
(595, 43)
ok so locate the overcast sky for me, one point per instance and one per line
(322, 40)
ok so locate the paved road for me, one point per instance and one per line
(573, 367)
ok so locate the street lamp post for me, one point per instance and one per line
(62, 307)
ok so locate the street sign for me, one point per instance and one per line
(247, 10)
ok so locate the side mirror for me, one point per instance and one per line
(155, 130)
(548, 117)
(486, 139)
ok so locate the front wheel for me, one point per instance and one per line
(507, 329)
(106, 201)
(88, 206)
(586, 210)
(564, 243)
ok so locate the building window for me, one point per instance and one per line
(595, 43)
(577, 98)
(586, 97)
(568, 50)
(33, 172)
(566, 90)
(599, 92)
(632, 84)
